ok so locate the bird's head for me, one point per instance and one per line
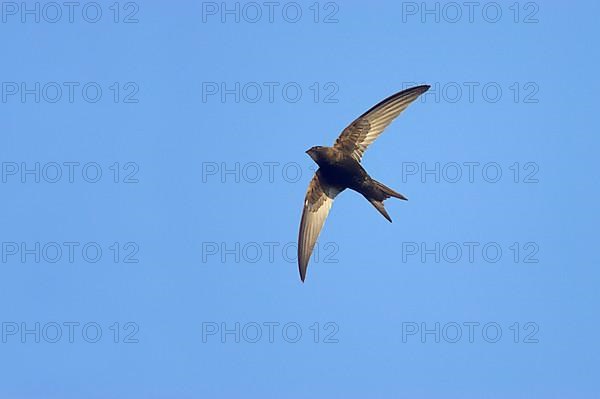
(315, 152)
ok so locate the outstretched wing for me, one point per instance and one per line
(318, 201)
(355, 138)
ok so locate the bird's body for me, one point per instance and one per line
(340, 168)
(342, 171)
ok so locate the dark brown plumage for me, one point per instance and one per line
(340, 168)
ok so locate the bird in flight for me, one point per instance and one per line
(340, 168)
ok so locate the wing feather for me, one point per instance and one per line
(318, 202)
(355, 138)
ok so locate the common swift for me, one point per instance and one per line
(340, 168)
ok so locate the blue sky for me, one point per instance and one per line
(153, 174)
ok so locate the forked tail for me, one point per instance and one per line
(386, 193)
